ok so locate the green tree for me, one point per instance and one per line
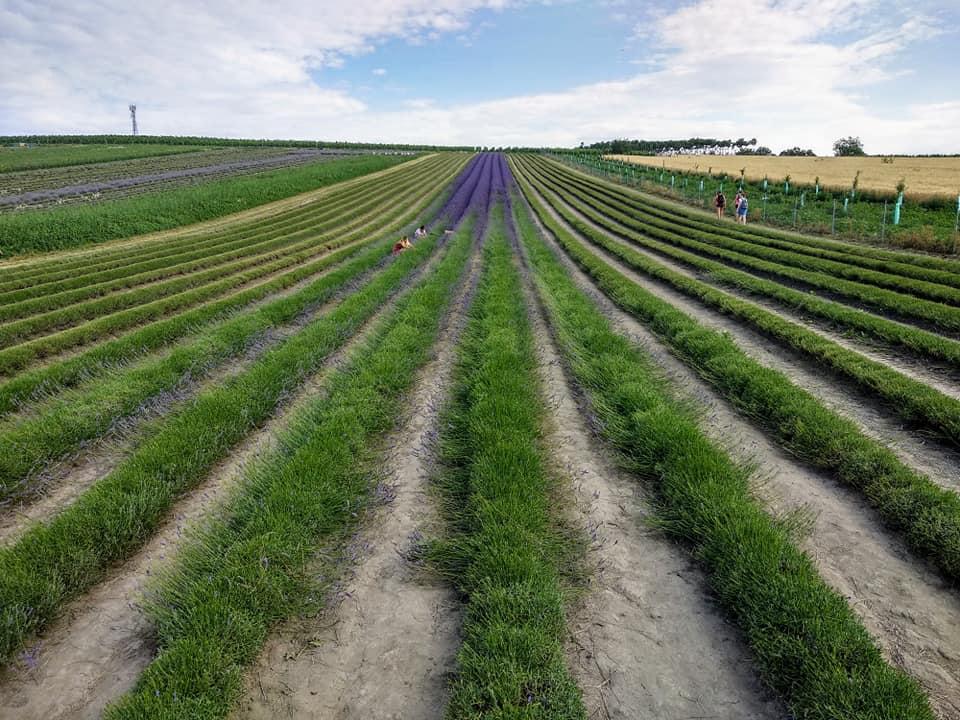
(848, 146)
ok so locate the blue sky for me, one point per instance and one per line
(490, 72)
(530, 49)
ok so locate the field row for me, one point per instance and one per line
(14, 159)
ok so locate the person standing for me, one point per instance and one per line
(742, 210)
(719, 202)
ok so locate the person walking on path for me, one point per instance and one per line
(742, 210)
(719, 202)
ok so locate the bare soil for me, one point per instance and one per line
(386, 649)
(647, 639)
(906, 606)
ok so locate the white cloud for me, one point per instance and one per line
(789, 72)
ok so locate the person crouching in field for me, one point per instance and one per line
(719, 202)
(420, 232)
(401, 245)
(742, 210)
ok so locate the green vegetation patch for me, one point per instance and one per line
(62, 228)
(51, 156)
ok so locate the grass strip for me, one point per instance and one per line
(49, 296)
(927, 516)
(20, 356)
(57, 229)
(102, 357)
(936, 313)
(675, 210)
(756, 235)
(54, 562)
(246, 570)
(921, 342)
(912, 400)
(807, 642)
(52, 156)
(54, 428)
(503, 554)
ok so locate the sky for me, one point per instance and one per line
(495, 73)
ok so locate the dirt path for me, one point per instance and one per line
(102, 642)
(906, 606)
(387, 649)
(647, 641)
(925, 454)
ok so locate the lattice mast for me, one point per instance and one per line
(133, 118)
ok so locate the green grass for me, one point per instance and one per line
(100, 358)
(53, 562)
(51, 156)
(806, 641)
(504, 553)
(912, 400)
(245, 572)
(927, 516)
(62, 228)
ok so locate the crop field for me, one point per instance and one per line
(924, 176)
(579, 452)
(32, 189)
(51, 156)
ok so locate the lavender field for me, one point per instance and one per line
(574, 452)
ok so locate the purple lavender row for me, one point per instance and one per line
(455, 208)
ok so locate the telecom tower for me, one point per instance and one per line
(133, 118)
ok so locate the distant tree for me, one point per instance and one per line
(759, 150)
(848, 146)
(797, 151)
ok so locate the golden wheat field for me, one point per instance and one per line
(923, 176)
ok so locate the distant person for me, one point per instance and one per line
(737, 199)
(420, 232)
(742, 211)
(719, 202)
